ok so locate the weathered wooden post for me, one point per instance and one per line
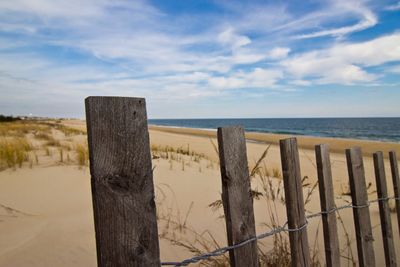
(384, 211)
(359, 196)
(122, 182)
(326, 194)
(299, 250)
(396, 183)
(236, 196)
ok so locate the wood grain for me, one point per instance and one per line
(300, 255)
(122, 182)
(384, 211)
(396, 183)
(236, 195)
(362, 220)
(326, 194)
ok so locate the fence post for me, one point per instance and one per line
(362, 220)
(300, 255)
(122, 182)
(236, 195)
(384, 211)
(396, 183)
(326, 194)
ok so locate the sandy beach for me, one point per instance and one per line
(164, 76)
(46, 215)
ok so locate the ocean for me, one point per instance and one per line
(379, 129)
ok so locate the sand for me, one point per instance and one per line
(46, 212)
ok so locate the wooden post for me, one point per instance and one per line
(300, 255)
(326, 194)
(384, 211)
(122, 182)
(236, 195)
(396, 183)
(362, 220)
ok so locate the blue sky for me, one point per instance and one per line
(202, 59)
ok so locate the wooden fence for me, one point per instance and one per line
(125, 212)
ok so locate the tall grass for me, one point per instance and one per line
(21, 128)
(14, 152)
(14, 145)
(82, 154)
(183, 155)
(43, 136)
(168, 152)
(68, 131)
(270, 190)
(40, 129)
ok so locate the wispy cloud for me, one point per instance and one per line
(393, 7)
(347, 8)
(76, 48)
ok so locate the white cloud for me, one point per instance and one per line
(278, 53)
(229, 37)
(370, 53)
(300, 82)
(356, 8)
(343, 62)
(257, 78)
(73, 9)
(394, 69)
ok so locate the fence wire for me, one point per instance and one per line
(274, 231)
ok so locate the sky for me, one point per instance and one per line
(202, 59)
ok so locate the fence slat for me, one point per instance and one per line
(326, 194)
(122, 182)
(362, 220)
(384, 211)
(396, 183)
(236, 195)
(299, 249)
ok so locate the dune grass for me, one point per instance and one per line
(268, 186)
(14, 152)
(183, 155)
(53, 142)
(15, 144)
(68, 131)
(21, 128)
(82, 154)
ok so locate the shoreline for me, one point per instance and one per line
(278, 133)
(336, 144)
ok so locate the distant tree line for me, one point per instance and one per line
(8, 118)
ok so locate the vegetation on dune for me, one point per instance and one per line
(182, 155)
(273, 251)
(68, 131)
(82, 154)
(21, 128)
(14, 152)
(53, 142)
(48, 137)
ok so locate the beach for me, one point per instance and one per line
(47, 216)
(110, 117)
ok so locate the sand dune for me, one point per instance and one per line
(46, 212)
